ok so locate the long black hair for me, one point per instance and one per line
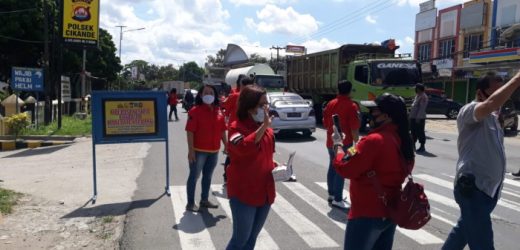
(400, 118)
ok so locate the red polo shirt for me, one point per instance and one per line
(230, 105)
(348, 113)
(172, 99)
(207, 124)
(378, 151)
(249, 177)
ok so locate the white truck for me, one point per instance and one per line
(262, 73)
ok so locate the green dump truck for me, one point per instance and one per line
(372, 69)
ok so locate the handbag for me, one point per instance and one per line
(411, 208)
(285, 171)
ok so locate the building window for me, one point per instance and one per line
(446, 48)
(424, 53)
(472, 42)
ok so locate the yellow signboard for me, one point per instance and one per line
(134, 117)
(81, 22)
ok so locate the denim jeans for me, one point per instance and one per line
(335, 182)
(474, 225)
(173, 109)
(247, 223)
(205, 163)
(369, 233)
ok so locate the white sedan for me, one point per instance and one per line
(291, 113)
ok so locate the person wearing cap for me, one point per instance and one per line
(381, 154)
(418, 117)
(481, 166)
(205, 129)
(348, 113)
(250, 188)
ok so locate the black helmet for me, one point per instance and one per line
(392, 105)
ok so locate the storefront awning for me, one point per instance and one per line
(498, 55)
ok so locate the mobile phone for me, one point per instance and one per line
(335, 119)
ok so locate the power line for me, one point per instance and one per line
(17, 11)
(348, 17)
(20, 40)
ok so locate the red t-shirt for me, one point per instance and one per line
(230, 106)
(378, 151)
(348, 113)
(172, 99)
(249, 177)
(206, 124)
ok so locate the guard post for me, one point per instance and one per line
(129, 117)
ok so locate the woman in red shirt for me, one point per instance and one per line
(205, 129)
(172, 101)
(250, 185)
(380, 156)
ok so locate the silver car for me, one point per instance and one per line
(291, 113)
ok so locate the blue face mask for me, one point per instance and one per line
(208, 99)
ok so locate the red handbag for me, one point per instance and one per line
(411, 209)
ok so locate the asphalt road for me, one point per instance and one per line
(300, 217)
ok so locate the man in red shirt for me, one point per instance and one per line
(172, 101)
(348, 113)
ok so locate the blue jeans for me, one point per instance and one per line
(247, 223)
(474, 225)
(335, 182)
(369, 233)
(205, 163)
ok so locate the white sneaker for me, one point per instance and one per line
(340, 204)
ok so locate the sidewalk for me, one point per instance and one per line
(57, 183)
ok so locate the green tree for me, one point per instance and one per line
(190, 72)
(217, 60)
(168, 72)
(256, 58)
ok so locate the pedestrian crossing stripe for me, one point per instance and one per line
(264, 240)
(421, 236)
(193, 233)
(449, 185)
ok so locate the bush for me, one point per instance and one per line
(17, 123)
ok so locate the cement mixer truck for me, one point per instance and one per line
(262, 73)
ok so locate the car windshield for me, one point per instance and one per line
(286, 99)
(395, 73)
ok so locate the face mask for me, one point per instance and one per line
(372, 121)
(208, 99)
(259, 117)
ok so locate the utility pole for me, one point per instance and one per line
(277, 48)
(120, 38)
(46, 72)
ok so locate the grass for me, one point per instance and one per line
(69, 126)
(108, 219)
(8, 199)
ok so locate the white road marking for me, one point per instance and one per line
(264, 240)
(192, 231)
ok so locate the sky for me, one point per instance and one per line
(179, 31)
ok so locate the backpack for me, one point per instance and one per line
(411, 209)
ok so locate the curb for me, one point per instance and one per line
(6, 145)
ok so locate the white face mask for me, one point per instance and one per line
(259, 117)
(208, 99)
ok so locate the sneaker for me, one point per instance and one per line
(331, 198)
(192, 208)
(292, 179)
(517, 174)
(208, 204)
(340, 204)
(421, 149)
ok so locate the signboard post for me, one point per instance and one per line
(128, 117)
(81, 22)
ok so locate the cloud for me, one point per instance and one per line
(371, 19)
(272, 19)
(320, 45)
(175, 32)
(260, 2)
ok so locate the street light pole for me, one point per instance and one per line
(120, 42)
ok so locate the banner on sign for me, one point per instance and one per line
(131, 117)
(81, 22)
(27, 79)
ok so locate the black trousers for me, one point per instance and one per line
(173, 108)
(417, 128)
